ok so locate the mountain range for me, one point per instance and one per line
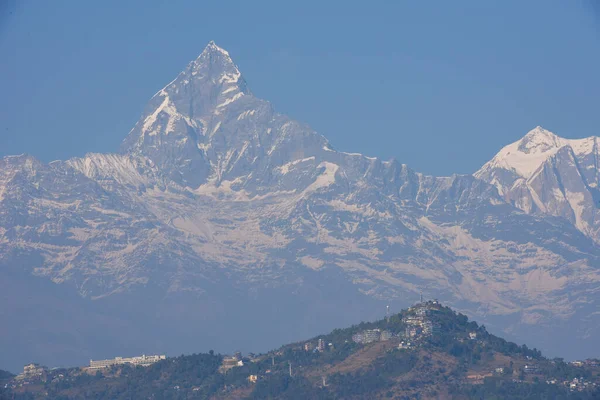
(219, 215)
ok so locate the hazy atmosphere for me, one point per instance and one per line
(274, 200)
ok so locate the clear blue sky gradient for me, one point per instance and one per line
(438, 85)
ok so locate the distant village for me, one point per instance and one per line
(35, 373)
(419, 324)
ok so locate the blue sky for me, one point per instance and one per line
(440, 86)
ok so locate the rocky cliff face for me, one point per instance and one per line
(220, 213)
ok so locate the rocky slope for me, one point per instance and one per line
(219, 213)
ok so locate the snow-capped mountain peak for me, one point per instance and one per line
(185, 120)
(546, 174)
(212, 47)
(215, 64)
(218, 206)
(525, 156)
(540, 141)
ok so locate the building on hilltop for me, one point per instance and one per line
(430, 328)
(425, 307)
(577, 363)
(321, 345)
(427, 327)
(420, 323)
(412, 331)
(32, 371)
(142, 360)
(592, 362)
(230, 362)
(371, 335)
(367, 336)
(413, 319)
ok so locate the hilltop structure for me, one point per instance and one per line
(372, 335)
(32, 371)
(142, 360)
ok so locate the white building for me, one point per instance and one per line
(321, 345)
(142, 360)
(371, 335)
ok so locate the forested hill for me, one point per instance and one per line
(5, 378)
(428, 352)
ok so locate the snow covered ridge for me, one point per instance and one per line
(527, 155)
(545, 174)
(214, 194)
